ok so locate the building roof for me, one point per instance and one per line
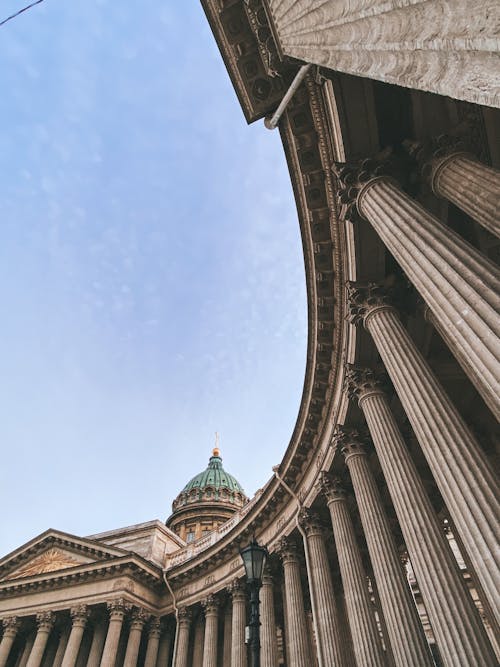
(214, 476)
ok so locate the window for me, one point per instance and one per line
(190, 536)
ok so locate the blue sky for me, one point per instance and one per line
(151, 274)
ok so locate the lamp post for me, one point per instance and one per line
(254, 559)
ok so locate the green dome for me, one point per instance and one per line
(215, 477)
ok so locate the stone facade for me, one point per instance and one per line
(390, 461)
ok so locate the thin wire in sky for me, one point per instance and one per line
(24, 9)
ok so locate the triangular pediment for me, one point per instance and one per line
(53, 551)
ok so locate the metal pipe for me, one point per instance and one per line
(271, 122)
(176, 609)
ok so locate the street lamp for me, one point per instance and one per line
(254, 559)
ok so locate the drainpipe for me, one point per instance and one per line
(176, 609)
(306, 553)
(271, 122)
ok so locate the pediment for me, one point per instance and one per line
(53, 551)
(51, 560)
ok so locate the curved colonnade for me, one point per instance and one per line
(386, 468)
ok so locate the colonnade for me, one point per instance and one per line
(88, 636)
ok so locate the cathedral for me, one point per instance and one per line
(381, 521)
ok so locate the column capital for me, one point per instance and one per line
(364, 382)
(155, 627)
(118, 608)
(11, 625)
(354, 178)
(434, 152)
(45, 620)
(287, 549)
(210, 605)
(237, 589)
(310, 522)
(364, 299)
(138, 618)
(331, 487)
(79, 614)
(184, 616)
(351, 441)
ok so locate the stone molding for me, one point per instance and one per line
(11, 625)
(331, 488)
(211, 605)
(155, 627)
(184, 617)
(364, 300)
(364, 382)
(237, 589)
(118, 608)
(138, 619)
(351, 441)
(287, 550)
(45, 621)
(79, 615)
(310, 522)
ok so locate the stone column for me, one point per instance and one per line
(138, 620)
(211, 607)
(79, 616)
(198, 640)
(11, 627)
(45, 622)
(238, 647)
(182, 640)
(454, 619)
(165, 648)
(30, 640)
(459, 284)
(405, 632)
(326, 622)
(458, 176)
(61, 646)
(154, 632)
(365, 637)
(457, 463)
(98, 639)
(298, 644)
(268, 643)
(117, 610)
(228, 621)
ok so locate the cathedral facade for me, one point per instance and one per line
(382, 518)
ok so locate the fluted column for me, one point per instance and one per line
(211, 607)
(268, 643)
(226, 650)
(11, 627)
(79, 616)
(458, 176)
(137, 622)
(182, 640)
(238, 648)
(199, 635)
(165, 648)
(328, 640)
(366, 640)
(98, 639)
(457, 463)
(117, 610)
(30, 640)
(405, 632)
(154, 632)
(61, 646)
(45, 622)
(454, 619)
(459, 284)
(298, 643)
